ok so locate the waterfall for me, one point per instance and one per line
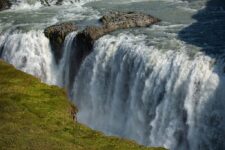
(64, 64)
(158, 98)
(26, 4)
(29, 52)
(35, 4)
(129, 88)
(155, 89)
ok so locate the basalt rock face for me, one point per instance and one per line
(45, 2)
(128, 19)
(4, 4)
(109, 23)
(56, 35)
(84, 41)
(114, 21)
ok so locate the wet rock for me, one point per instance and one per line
(56, 35)
(112, 22)
(4, 4)
(59, 2)
(84, 41)
(125, 20)
(45, 3)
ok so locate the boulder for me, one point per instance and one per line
(84, 41)
(128, 19)
(56, 35)
(112, 22)
(4, 4)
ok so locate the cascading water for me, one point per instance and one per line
(36, 4)
(157, 98)
(64, 64)
(143, 84)
(25, 4)
(29, 52)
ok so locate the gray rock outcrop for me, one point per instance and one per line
(84, 41)
(56, 35)
(111, 22)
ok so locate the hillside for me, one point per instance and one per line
(36, 116)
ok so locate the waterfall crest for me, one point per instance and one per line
(29, 52)
(64, 64)
(35, 4)
(156, 85)
(156, 98)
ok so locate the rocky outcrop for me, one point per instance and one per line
(56, 35)
(86, 38)
(4, 4)
(84, 41)
(45, 2)
(128, 19)
(111, 22)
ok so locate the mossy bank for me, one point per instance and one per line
(37, 116)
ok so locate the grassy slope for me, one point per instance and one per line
(34, 115)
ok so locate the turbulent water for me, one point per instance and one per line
(29, 52)
(161, 86)
(157, 98)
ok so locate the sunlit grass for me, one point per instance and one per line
(37, 116)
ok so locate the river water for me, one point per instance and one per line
(161, 86)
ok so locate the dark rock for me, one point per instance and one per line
(56, 35)
(45, 2)
(84, 41)
(59, 2)
(4, 4)
(111, 22)
(124, 20)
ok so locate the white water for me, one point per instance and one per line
(156, 98)
(64, 64)
(29, 52)
(35, 4)
(152, 88)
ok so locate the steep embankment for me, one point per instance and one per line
(34, 115)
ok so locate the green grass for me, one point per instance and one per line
(37, 116)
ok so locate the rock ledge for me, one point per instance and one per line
(57, 34)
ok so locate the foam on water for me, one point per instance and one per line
(64, 65)
(29, 52)
(157, 98)
(25, 5)
(34, 4)
(143, 84)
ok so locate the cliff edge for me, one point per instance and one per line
(37, 116)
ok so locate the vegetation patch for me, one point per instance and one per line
(37, 116)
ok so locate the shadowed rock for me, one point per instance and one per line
(45, 3)
(86, 38)
(56, 35)
(112, 22)
(84, 41)
(4, 4)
